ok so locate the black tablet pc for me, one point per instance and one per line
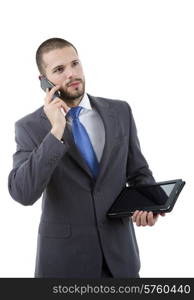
(157, 197)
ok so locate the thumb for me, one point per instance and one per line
(65, 107)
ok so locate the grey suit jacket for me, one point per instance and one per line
(74, 232)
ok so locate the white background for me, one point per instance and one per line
(141, 51)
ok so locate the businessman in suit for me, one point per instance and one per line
(78, 151)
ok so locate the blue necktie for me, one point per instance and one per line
(82, 141)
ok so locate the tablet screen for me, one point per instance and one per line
(143, 196)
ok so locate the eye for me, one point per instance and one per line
(75, 63)
(59, 70)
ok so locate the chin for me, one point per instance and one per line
(77, 93)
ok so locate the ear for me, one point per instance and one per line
(41, 76)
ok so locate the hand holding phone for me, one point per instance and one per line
(54, 108)
(46, 84)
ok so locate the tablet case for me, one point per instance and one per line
(115, 211)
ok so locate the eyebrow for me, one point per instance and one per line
(57, 67)
(63, 65)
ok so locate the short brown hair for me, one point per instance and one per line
(48, 45)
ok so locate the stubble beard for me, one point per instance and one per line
(71, 97)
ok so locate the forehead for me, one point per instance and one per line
(61, 56)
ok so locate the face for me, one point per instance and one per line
(63, 67)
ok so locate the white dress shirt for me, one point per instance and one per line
(93, 123)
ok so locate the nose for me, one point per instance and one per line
(69, 73)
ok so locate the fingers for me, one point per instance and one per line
(144, 218)
(49, 94)
(152, 218)
(64, 107)
(140, 218)
(135, 215)
(162, 214)
(57, 102)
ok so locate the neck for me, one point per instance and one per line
(73, 103)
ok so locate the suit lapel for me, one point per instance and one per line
(110, 126)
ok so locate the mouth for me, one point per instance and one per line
(75, 83)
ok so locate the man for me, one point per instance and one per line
(79, 151)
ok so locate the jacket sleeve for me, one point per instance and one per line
(33, 166)
(138, 171)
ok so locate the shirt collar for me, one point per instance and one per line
(85, 102)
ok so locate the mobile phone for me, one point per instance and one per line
(45, 83)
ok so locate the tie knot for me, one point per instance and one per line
(74, 112)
